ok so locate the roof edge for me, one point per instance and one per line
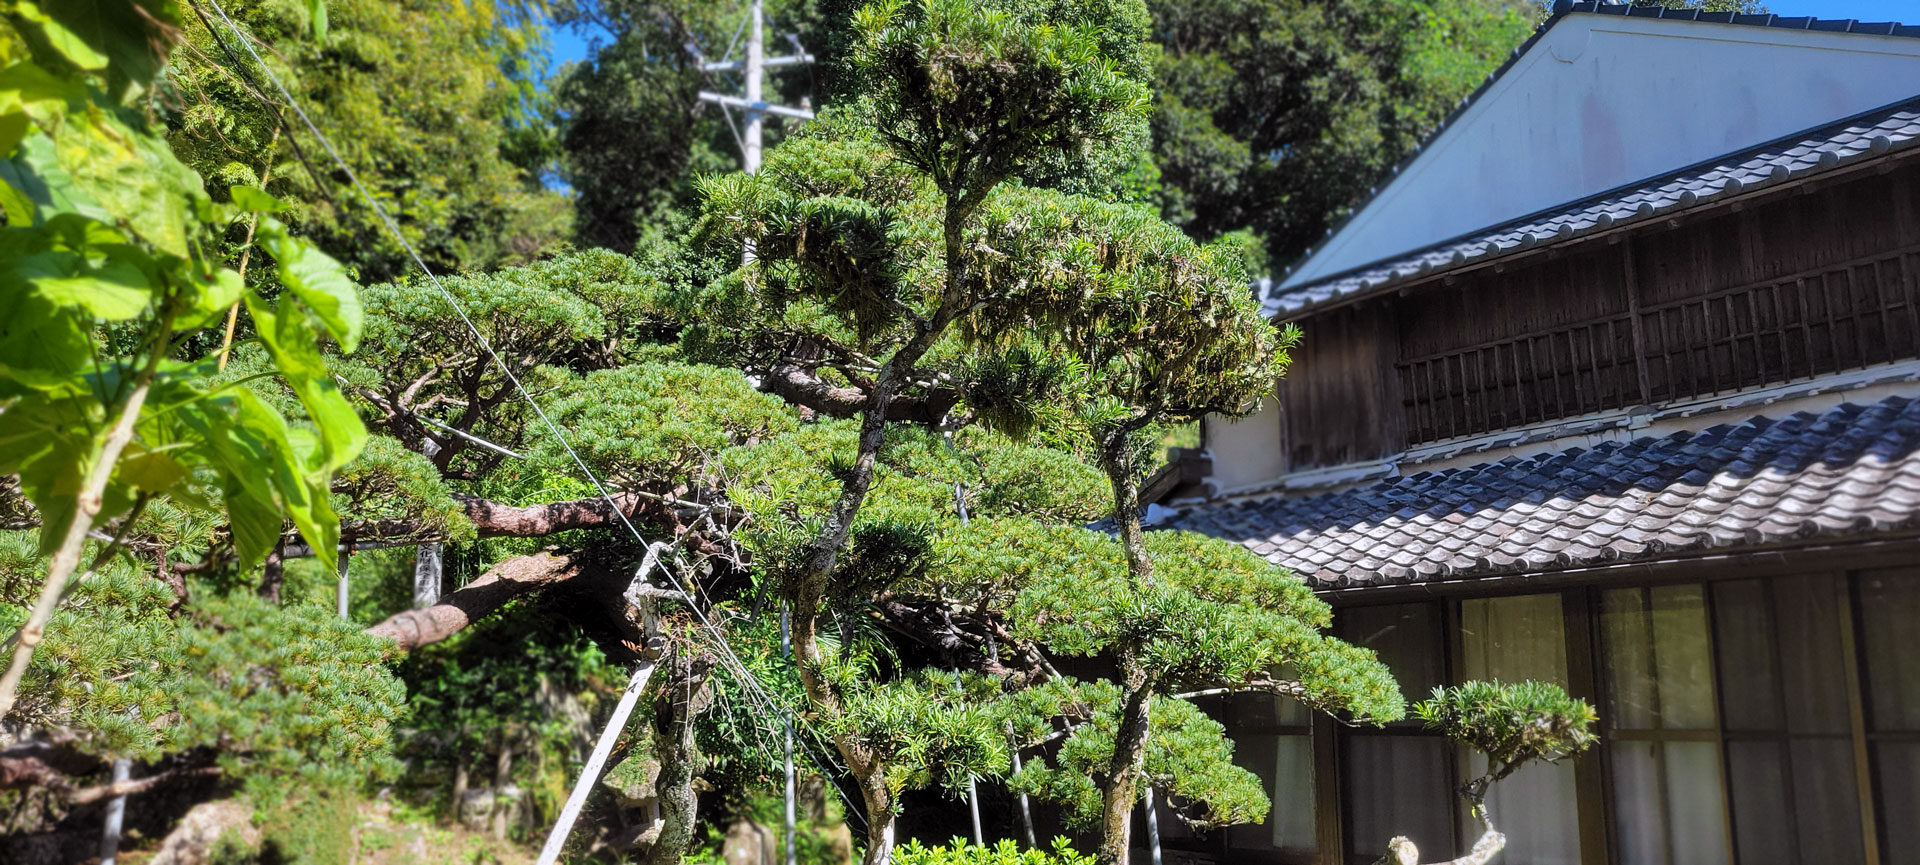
(1620, 191)
(1561, 10)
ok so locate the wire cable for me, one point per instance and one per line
(755, 688)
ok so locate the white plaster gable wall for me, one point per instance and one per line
(1601, 101)
(1247, 451)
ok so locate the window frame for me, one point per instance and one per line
(1594, 782)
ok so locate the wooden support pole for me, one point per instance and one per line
(340, 588)
(428, 565)
(786, 651)
(1026, 809)
(1153, 826)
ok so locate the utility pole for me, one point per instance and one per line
(754, 109)
(753, 104)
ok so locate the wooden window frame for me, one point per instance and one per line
(1594, 784)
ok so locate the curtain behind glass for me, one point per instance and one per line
(1512, 640)
(1399, 782)
(1782, 674)
(1668, 800)
(1890, 626)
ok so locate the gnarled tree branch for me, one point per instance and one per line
(801, 387)
(504, 582)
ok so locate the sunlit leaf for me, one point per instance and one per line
(115, 291)
(317, 280)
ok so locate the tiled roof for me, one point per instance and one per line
(1895, 127)
(1851, 469)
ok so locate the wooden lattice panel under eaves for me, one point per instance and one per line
(1832, 319)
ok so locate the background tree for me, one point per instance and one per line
(430, 102)
(1278, 115)
(880, 236)
(633, 133)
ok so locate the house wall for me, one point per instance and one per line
(1794, 285)
(1247, 451)
(1602, 101)
(1752, 711)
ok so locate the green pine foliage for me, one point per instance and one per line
(659, 425)
(285, 696)
(931, 728)
(960, 852)
(1513, 724)
(1189, 761)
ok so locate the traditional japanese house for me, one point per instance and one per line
(1615, 384)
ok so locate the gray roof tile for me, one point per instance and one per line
(1850, 469)
(1895, 127)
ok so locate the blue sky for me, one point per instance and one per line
(570, 44)
(1906, 11)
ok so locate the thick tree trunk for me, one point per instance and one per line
(801, 387)
(273, 573)
(1126, 768)
(459, 783)
(1136, 713)
(879, 801)
(683, 695)
(807, 593)
(502, 779)
(1116, 459)
(504, 582)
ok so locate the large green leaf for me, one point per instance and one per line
(242, 456)
(115, 291)
(317, 17)
(27, 82)
(295, 351)
(126, 37)
(317, 280)
(303, 496)
(42, 345)
(253, 200)
(41, 442)
(19, 208)
(36, 171)
(133, 178)
(219, 290)
(62, 38)
(150, 471)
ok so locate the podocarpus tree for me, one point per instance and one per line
(883, 233)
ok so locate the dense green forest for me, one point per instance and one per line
(377, 397)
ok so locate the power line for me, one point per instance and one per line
(754, 688)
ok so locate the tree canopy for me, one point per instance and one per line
(896, 392)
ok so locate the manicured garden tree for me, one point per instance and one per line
(876, 227)
(1215, 618)
(1511, 725)
(1173, 339)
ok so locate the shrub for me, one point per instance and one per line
(959, 852)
